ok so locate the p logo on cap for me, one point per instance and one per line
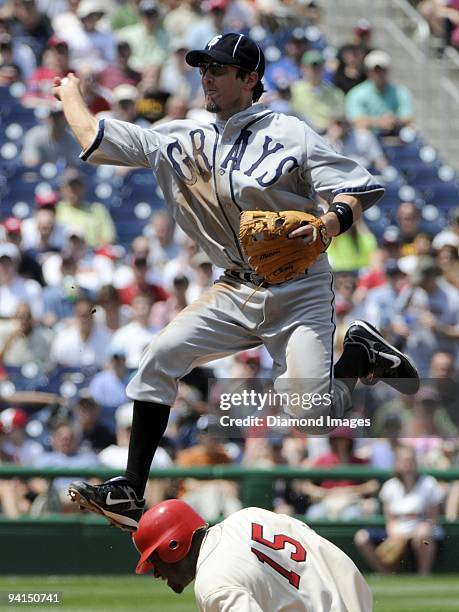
(214, 41)
(231, 49)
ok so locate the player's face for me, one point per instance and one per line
(175, 574)
(225, 93)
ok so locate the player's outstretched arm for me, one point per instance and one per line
(82, 123)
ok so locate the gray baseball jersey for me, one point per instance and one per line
(209, 173)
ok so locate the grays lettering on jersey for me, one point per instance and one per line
(210, 172)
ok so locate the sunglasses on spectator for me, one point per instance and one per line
(214, 69)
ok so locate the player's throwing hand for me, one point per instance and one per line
(66, 83)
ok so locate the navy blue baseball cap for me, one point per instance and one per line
(230, 49)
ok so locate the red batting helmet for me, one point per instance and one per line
(167, 528)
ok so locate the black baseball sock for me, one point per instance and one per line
(352, 364)
(149, 422)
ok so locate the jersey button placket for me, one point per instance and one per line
(224, 196)
(221, 175)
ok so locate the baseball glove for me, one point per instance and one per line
(271, 253)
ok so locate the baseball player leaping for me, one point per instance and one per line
(249, 159)
(253, 561)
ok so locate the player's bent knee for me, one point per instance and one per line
(165, 354)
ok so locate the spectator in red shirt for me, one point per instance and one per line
(141, 284)
(375, 275)
(341, 499)
(55, 63)
(163, 312)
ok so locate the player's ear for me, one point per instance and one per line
(251, 79)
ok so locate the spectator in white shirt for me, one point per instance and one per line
(65, 453)
(161, 236)
(136, 335)
(181, 264)
(115, 455)
(15, 444)
(41, 232)
(82, 343)
(25, 341)
(93, 270)
(203, 274)
(14, 288)
(411, 507)
(450, 235)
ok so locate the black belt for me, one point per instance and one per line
(247, 277)
(250, 277)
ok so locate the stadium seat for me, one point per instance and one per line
(398, 153)
(377, 220)
(417, 172)
(9, 157)
(23, 181)
(443, 195)
(14, 112)
(28, 378)
(24, 380)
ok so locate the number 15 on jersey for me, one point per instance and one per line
(279, 543)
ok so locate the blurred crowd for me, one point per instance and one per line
(443, 19)
(77, 304)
